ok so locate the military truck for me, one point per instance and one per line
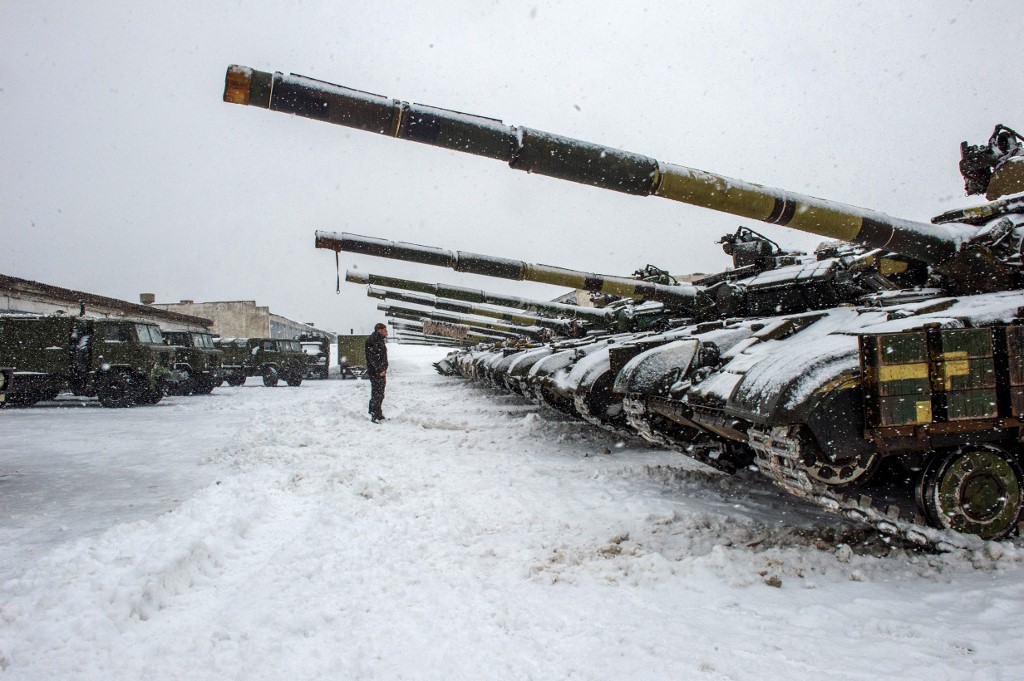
(271, 358)
(317, 347)
(123, 362)
(352, 356)
(198, 361)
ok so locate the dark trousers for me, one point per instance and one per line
(377, 384)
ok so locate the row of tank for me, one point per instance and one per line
(881, 376)
(127, 363)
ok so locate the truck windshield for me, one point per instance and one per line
(149, 333)
(202, 340)
(176, 338)
(311, 348)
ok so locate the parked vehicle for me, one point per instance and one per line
(352, 356)
(317, 347)
(198, 361)
(881, 377)
(272, 358)
(122, 362)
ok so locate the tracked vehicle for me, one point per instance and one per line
(900, 348)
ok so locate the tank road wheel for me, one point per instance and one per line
(205, 386)
(117, 391)
(843, 473)
(270, 376)
(150, 395)
(975, 491)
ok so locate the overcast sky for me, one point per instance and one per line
(123, 171)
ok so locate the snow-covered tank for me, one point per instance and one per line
(900, 350)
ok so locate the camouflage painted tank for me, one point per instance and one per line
(898, 353)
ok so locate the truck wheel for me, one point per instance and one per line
(204, 386)
(186, 386)
(150, 396)
(15, 400)
(295, 380)
(235, 380)
(324, 373)
(117, 391)
(270, 376)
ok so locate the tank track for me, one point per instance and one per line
(779, 457)
(579, 400)
(636, 414)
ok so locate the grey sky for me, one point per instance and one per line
(123, 171)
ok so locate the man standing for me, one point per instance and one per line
(377, 369)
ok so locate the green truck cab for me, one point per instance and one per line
(198, 361)
(271, 358)
(123, 362)
(318, 350)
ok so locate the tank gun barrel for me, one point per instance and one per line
(596, 315)
(460, 307)
(452, 327)
(454, 318)
(561, 157)
(451, 331)
(683, 297)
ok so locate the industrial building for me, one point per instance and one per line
(238, 318)
(32, 297)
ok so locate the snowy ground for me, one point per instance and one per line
(278, 534)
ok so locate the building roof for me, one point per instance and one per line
(27, 287)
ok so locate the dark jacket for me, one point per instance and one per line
(376, 354)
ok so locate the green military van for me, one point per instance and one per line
(123, 362)
(271, 358)
(198, 361)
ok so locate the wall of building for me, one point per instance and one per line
(230, 319)
(242, 319)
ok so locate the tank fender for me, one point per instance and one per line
(654, 371)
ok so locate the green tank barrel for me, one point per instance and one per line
(595, 315)
(455, 318)
(411, 338)
(434, 318)
(463, 331)
(684, 297)
(460, 307)
(451, 329)
(598, 165)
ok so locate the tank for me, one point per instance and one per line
(890, 391)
